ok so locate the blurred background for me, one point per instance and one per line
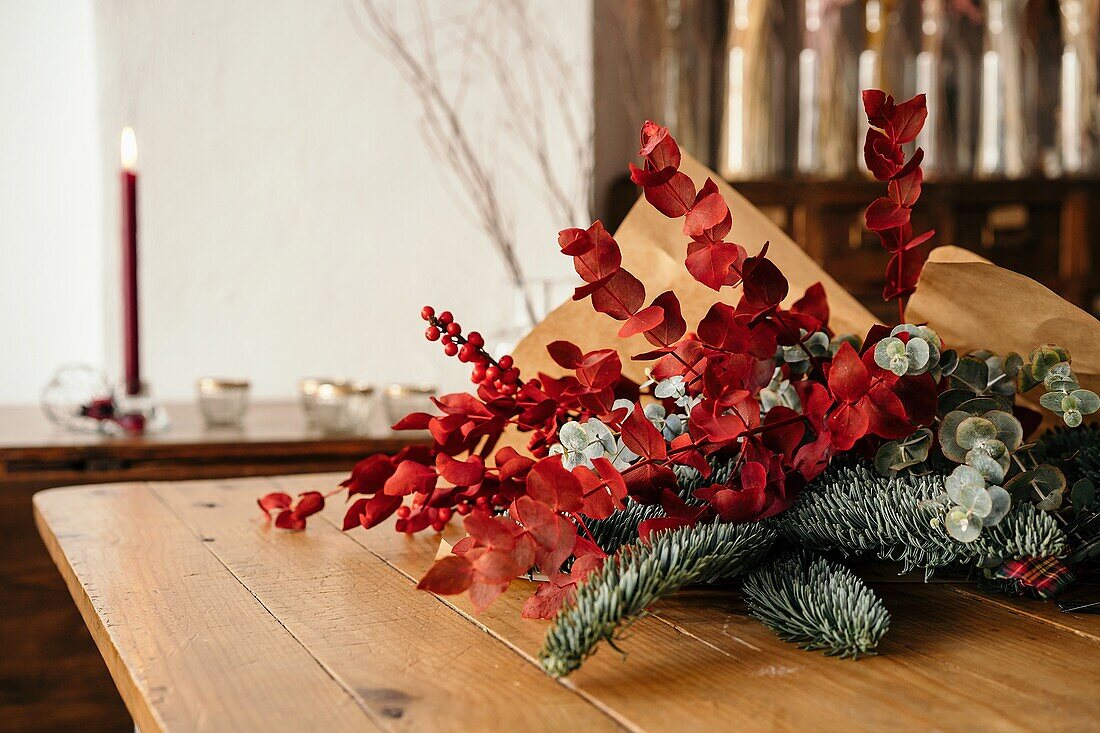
(305, 184)
(203, 202)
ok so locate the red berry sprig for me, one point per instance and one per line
(501, 376)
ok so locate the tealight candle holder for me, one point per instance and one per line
(222, 402)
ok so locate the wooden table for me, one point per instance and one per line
(51, 677)
(210, 620)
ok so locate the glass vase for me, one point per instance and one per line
(753, 126)
(1008, 115)
(1078, 100)
(828, 94)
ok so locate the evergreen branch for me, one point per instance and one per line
(638, 575)
(621, 528)
(817, 604)
(853, 510)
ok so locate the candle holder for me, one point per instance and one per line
(140, 413)
(79, 399)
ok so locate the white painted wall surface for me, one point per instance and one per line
(51, 259)
(292, 221)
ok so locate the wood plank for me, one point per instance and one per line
(408, 658)
(189, 647)
(953, 660)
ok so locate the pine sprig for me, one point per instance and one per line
(640, 574)
(621, 528)
(817, 604)
(853, 510)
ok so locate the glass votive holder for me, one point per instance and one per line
(307, 395)
(339, 406)
(222, 402)
(401, 399)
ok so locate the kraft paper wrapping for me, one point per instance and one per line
(654, 248)
(973, 304)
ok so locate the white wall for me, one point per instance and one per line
(292, 221)
(51, 263)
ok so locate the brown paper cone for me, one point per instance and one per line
(973, 304)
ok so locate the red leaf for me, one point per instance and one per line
(552, 484)
(595, 253)
(908, 119)
(548, 600)
(716, 264)
(410, 477)
(620, 297)
(815, 304)
(886, 414)
(448, 576)
(646, 177)
(902, 273)
(882, 157)
(706, 213)
(490, 531)
(274, 501)
(309, 503)
(878, 106)
(565, 354)
(646, 483)
(461, 473)
(720, 329)
(640, 435)
(287, 520)
(658, 147)
(765, 286)
(848, 377)
(714, 428)
(906, 190)
(369, 475)
(847, 424)
(674, 198)
(483, 594)
(413, 421)
(600, 369)
(672, 326)
(643, 320)
(554, 536)
(370, 512)
(886, 214)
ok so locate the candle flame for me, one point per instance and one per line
(129, 148)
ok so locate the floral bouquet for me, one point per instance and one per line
(760, 444)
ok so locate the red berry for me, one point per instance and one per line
(445, 317)
(492, 374)
(445, 514)
(478, 375)
(403, 512)
(467, 352)
(432, 333)
(450, 348)
(482, 501)
(506, 361)
(463, 509)
(508, 389)
(476, 339)
(499, 499)
(453, 329)
(438, 526)
(427, 312)
(510, 377)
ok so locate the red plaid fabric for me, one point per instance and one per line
(1044, 577)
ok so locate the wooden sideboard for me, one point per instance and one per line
(51, 676)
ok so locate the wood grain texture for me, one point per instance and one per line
(189, 646)
(953, 659)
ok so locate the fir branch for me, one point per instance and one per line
(853, 510)
(621, 528)
(817, 604)
(638, 575)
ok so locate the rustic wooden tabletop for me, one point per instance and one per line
(209, 620)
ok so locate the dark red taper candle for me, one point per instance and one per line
(130, 337)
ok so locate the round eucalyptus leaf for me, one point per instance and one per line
(1072, 418)
(971, 373)
(1088, 401)
(961, 525)
(962, 479)
(974, 430)
(974, 499)
(1009, 430)
(992, 469)
(887, 458)
(948, 444)
(1083, 495)
(985, 403)
(948, 361)
(1052, 401)
(1000, 502)
(918, 352)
